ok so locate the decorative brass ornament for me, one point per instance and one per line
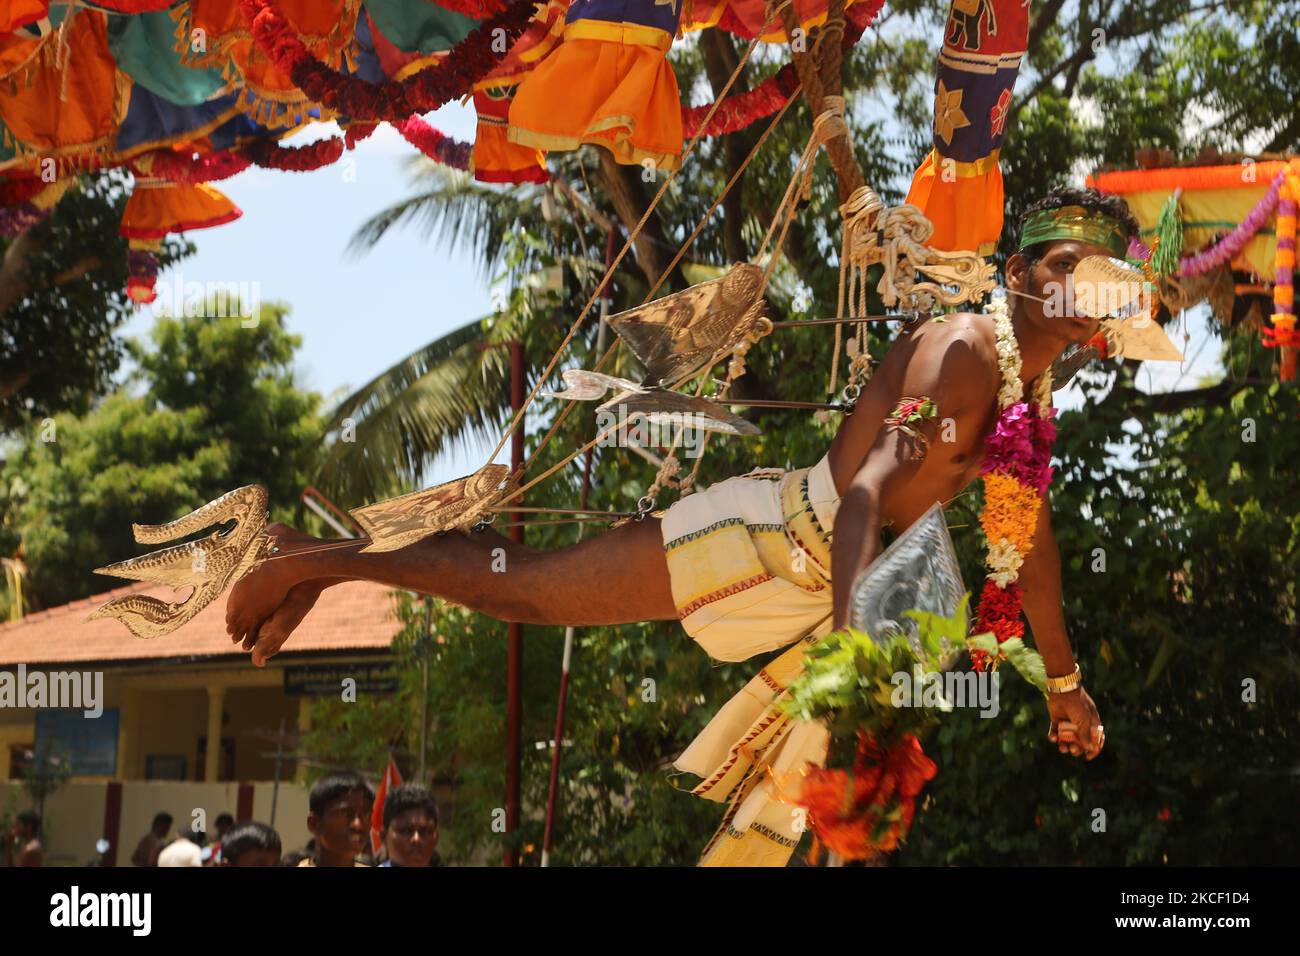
(1105, 287)
(659, 406)
(208, 565)
(1140, 338)
(895, 238)
(402, 521)
(684, 333)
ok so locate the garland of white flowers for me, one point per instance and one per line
(1016, 471)
(1009, 362)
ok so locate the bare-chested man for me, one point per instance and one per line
(718, 560)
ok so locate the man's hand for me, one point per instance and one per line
(1075, 724)
(266, 639)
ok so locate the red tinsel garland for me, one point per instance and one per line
(184, 168)
(465, 64)
(20, 189)
(741, 109)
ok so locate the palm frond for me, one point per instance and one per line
(453, 391)
(457, 213)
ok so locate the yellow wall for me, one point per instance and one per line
(291, 807)
(164, 710)
(251, 711)
(74, 814)
(171, 723)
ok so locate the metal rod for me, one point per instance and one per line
(613, 516)
(780, 403)
(847, 320)
(557, 511)
(515, 644)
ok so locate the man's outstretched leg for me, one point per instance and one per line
(618, 577)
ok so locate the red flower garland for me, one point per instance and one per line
(295, 159)
(468, 62)
(867, 810)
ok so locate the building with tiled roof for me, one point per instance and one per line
(163, 700)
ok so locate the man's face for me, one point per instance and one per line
(253, 858)
(411, 838)
(1050, 278)
(344, 827)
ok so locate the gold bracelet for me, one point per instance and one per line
(1063, 685)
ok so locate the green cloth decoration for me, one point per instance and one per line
(1169, 232)
(145, 49)
(419, 27)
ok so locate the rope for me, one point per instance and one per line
(517, 419)
(681, 252)
(859, 215)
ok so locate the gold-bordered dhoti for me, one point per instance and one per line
(750, 567)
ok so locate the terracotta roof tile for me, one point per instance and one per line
(356, 615)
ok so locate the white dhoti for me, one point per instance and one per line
(750, 567)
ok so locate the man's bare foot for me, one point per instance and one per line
(271, 634)
(258, 593)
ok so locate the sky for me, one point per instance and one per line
(357, 314)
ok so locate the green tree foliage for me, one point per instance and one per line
(211, 406)
(62, 299)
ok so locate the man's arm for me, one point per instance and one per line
(953, 371)
(1040, 576)
(1075, 724)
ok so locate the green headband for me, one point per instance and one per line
(1075, 222)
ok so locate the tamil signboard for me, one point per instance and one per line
(327, 680)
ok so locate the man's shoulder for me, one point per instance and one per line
(964, 342)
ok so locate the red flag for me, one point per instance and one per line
(391, 779)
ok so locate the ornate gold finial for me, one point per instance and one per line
(208, 565)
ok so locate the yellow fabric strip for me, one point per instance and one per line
(630, 33)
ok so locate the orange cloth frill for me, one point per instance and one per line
(608, 83)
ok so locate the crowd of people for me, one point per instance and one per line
(341, 808)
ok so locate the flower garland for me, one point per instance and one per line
(1017, 469)
(868, 809)
(469, 61)
(740, 110)
(435, 144)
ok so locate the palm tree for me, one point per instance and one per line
(454, 391)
